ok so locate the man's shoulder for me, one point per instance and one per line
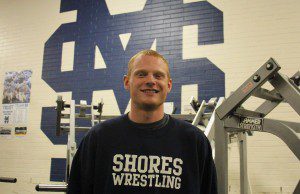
(109, 124)
(183, 124)
(114, 121)
(186, 127)
(105, 130)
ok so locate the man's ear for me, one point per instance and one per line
(169, 85)
(126, 82)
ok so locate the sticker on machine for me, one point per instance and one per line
(251, 123)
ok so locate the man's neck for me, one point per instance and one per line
(142, 116)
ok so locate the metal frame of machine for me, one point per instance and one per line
(232, 120)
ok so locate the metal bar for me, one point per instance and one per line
(77, 116)
(267, 106)
(81, 106)
(71, 140)
(288, 90)
(8, 180)
(92, 117)
(51, 188)
(246, 89)
(189, 117)
(285, 131)
(209, 130)
(67, 128)
(247, 113)
(194, 103)
(244, 182)
(267, 95)
(221, 155)
(59, 108)
(293, 125)
(199, 114)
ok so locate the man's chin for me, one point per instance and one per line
(149, 106)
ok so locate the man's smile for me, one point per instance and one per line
(150, 91)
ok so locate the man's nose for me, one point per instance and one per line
(150, 80)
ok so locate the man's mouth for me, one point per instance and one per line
(150, 91)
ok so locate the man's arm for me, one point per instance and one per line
(82, 171)
(74, 183)
(209, 176)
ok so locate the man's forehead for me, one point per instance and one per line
(144, 57)
(148, 60)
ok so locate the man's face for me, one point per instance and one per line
(148, 83)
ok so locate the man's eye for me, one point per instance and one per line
(141, 74)
(159, 76)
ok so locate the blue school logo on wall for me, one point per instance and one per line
(160, 20)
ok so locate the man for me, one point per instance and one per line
(144, 151)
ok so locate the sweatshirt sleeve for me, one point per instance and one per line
(209, 175)
(82, 170)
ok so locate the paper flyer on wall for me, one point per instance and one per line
(16, 98)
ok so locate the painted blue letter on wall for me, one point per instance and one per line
(162, 20)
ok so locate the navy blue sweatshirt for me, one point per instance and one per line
(121, 157)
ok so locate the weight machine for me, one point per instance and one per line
(71, 130)
(232, 122)
(223, 121)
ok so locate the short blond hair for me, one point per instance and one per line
(148, 53)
